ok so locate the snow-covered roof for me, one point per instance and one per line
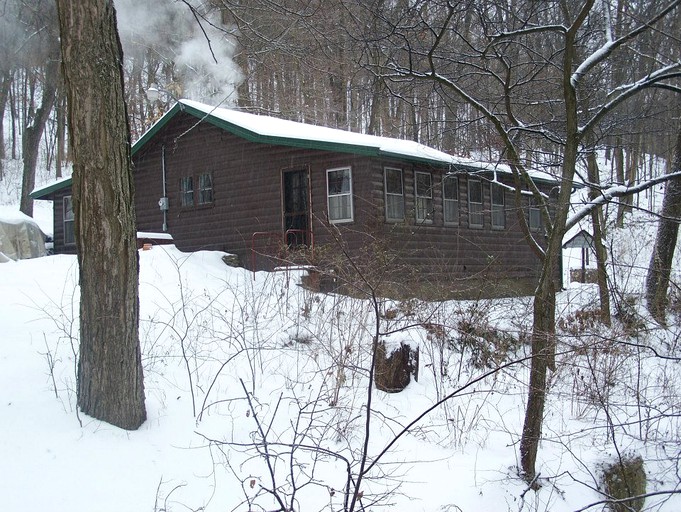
(272, 130)
(54, 186)
(282, 131)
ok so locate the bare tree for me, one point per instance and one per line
(538, 73)
(657, 281)
(29, 55)
(33, 132)
(110, 382)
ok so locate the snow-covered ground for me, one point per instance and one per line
(232, 358)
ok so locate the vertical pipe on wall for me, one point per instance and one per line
(163, 173)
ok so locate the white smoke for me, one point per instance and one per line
(196, 56)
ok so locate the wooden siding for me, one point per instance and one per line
(247, 199)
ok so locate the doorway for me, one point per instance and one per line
(296, 199)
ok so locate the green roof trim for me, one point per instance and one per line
(155, 128)
(48, 190)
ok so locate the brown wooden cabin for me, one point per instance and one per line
(275, 192)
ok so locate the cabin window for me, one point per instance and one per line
(394, 194)
(205, 188)
(475, 219)
(339, 194)
(424, 197)
(69, 232)
(450, 199)
(497, 193)
(187, 191)
(533, 215)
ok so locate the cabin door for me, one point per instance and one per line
(296, 202)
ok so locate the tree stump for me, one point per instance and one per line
(393, 371)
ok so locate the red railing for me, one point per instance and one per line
(282, 241)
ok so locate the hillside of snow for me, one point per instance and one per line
(257, 394)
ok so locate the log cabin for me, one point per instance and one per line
(274, 192)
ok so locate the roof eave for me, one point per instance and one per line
(251, 136)
(46, 192)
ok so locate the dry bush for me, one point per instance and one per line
(488, 346)
(581, 321)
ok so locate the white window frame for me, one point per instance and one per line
(186, 194)
(331, 198)
(498, 210)
(205, 190)
(391, 197)
(69, 218)
(450, 204)
(475, 208)
(424, 210)
(533, 212)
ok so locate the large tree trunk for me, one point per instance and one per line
(30, 140)
(657, 281)
(110, 383)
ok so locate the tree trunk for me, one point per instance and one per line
(393, 370)
(659, 270)
(544, 325)
(110, 382)
(543, 356)
(619, 173)
(60, 112)
(5, 82)
(30, 140)
(599, 249)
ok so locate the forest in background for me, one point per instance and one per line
(332, 63)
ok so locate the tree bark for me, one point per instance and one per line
(110, 382)
(393, 370)
(5, 81)
(543, 353)
(599, 249)
(60, 112)
(659, 270)
(619, 172)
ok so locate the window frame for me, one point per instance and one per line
(479, 211)
(423, 203)
(448, 200)
(330, 197)
(497, 209)
(389, 195)
(202, 190)
(187, 193)
(533, 207)
(68, 219)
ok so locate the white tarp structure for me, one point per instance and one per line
(20, 236)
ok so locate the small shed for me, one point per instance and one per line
(582, 240)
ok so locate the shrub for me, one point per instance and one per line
(488, 346)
